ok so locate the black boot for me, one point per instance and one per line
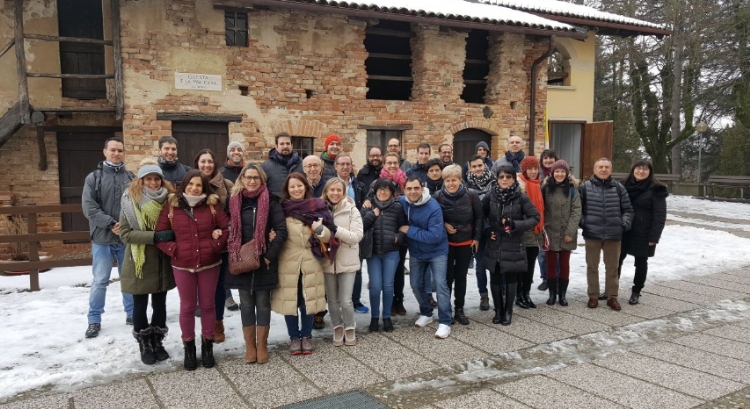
(497, 301)
(387, 325)
(552, 287)
(563, 291)
(157, 337)
(207, 352)
(190, 360)
(510, 294)
(144, 344)
(520, 301)
(527, 298)
(461, 317)
(374, 324)
(635, 297)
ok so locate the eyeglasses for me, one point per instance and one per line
(311, 166)
(251, 178)
(505, 176)
(344, 164)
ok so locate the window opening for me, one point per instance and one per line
(556, 74)
(378, 138)
(304, 145)
(235, 26)
(388, 65)
(477, 66)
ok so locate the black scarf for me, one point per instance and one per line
(515, 159)
(434, 185)
(482, 182)
(504, 196)
(163, 163)
(460, 192)
(638, 188)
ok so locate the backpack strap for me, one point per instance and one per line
(171, 216)
(213, 214)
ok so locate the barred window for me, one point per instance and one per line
(235, 25)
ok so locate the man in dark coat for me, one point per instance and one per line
(235, 161)
(394, 145)
(332, 147)
(607, 214)
(371, 171)
(282, 160)
(419, 170)
(483, 151)
(446, 154)
(173, 170)
(313, 167)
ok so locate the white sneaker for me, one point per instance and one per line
(423, 321)
(443, 331)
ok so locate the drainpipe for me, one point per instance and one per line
(532, 108)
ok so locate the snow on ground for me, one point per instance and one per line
(43, 342)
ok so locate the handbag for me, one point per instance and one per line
(365, 246)
(544, 241)
(248, 260)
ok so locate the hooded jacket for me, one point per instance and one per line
(101, 198)
(277, 168)
(426, 235)
(487, 160)
(173, 171)
(607, 212)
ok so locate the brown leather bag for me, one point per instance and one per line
(248, 261)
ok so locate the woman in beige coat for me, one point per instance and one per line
(341, 271)
(309, 243)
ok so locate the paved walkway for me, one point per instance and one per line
(686, 345)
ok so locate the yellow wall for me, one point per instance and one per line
(576, 100)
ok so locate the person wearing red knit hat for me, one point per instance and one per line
(333, 148)
(530, 183)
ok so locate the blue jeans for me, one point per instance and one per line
(382, 271)
(293, 321)
(542, 260)
(418, 269)
(481, 270)
(102, 257)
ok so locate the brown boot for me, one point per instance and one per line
(219, 336)
(250, 351)
(263, 343)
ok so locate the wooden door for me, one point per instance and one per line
(82, 19)
(79, 152)
(596, 142)
(192, 137)
(465, 143)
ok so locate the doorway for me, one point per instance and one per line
(194, 136)
(465, 143)
(566, 141)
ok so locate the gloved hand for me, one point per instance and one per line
(166, 235)
(509, 225)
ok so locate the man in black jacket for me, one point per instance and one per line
(173, 170)
(371, 171)
(282, 160)
(607, 214)
(235, 161)
(446, 154)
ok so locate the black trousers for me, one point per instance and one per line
(641, 270)
(458, 268)
(528, 278)
(140, 310)
(398, 280)
(498, 277)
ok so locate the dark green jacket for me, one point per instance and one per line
(157, 270)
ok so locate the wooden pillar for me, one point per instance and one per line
(33, 253)
(23, 86)
(117, 51)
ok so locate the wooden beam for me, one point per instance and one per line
(390, 56)
(389, 32)
(66, 235)
(23, 85)
(7, 47)
(76, 109)
(390, 78)
(198, 117)
(10, 123)
(386, 127)
(117, 51)
(42, 147)
(58, 208)
(42, 37)
(76, 76)
(43, 265)
(33, 253)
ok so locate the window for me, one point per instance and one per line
(556, 72)
(389, 62)
(379, 139)
(304, 145)
(477, 66)
(235, 25)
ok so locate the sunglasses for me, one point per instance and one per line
(505, 176)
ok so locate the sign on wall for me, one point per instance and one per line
(203, 82)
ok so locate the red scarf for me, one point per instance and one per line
(399, 177)
(534, 191)
(235, 221)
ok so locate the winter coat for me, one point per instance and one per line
(606, 209)
(464, 213)
(385, 235)
(193, 246)
(296, 258)
(404, 164)
(368, 174)
(426, 235)
(508, 249)
(231, 173)
(266, 277)
(433, 185)
(100, 200)
(318, 187)
(221, 187)
(277, 169)
(174, 172)
(561, 216)
(329, 168)
(349, 232)
(530, 239)
(157, 268)
(419, 171)
(650, 209)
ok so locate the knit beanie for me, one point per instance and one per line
(330, 138)
(150, 169)
(528, 163)
(234, 144)
(560, 164)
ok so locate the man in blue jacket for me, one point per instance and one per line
(428, 249)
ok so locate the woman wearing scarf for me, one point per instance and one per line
(547, 159)
(253, 213)
(201, 229)
(205, 161)
(309, 243)
(649, 199)
(340, 271)
(146, 270)
(463, 218)
(509, 214)
(530, 183)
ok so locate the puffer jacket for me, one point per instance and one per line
(266, 277)
(193, 246)
(561, 215)
(648, 222)
(426, 235)
(464, 213)
(607, 212)
(297, 258)
(530, 239)
(385, 235)
(349, 232)
(507, 249)
(100, 200)
(277, 169)
(221, 187)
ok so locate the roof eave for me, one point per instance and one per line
(415, 18)
(607, 27)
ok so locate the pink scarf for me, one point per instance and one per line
(399, 177)
(235, 221)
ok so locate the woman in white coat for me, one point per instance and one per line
(341, 271)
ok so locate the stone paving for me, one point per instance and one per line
(687, 345)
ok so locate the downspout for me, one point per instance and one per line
(532, 107)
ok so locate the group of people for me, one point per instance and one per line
(291, 235)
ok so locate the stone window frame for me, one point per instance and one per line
(233, 29)
(303, 145)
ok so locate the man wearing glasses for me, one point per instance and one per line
(394, 145)
(371, 171)
(446, 154)
(313, 167)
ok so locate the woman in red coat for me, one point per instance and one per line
(200, 230)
